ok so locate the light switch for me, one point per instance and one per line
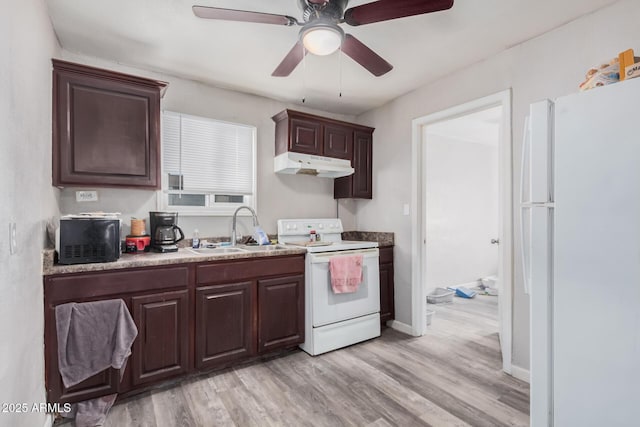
(406, 209)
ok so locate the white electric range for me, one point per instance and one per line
(333, 320)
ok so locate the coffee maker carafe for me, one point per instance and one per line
(165, 232)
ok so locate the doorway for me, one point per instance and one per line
(461, 204)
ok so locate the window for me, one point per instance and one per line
(208, 166)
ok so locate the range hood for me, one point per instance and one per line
(308, 164)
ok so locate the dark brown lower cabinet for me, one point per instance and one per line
(223, 324)
(193, 316)
(280, 312)
(157, 292)
(105, 383)
(386, 284)
(161, 349)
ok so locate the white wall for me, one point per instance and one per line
(279, 196)
(462, 210)
(27, 43)
(546, 67)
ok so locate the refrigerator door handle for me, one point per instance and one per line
(525, 162)
(525, 253)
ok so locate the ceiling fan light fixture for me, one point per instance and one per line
(322, 39)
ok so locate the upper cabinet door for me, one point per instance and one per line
(106, 128)
(306, 136)
(338, 141)
(363, 164)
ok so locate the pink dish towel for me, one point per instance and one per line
(346, 273)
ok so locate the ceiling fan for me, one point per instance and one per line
(321, 33)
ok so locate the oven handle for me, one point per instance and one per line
(324, 257)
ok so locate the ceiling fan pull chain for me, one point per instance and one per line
(340, 71)
(304, 74)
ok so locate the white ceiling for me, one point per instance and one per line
(165, 36)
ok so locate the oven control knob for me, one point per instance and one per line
(295, 226)
(320, 226)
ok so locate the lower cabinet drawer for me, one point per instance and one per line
(235, 271)
(115, 282)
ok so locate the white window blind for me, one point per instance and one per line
(204, 159)
(211, 156)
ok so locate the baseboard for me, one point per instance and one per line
(400, 327)
(520, 373)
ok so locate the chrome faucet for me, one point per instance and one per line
(235, 220)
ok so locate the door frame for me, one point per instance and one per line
(418, 215)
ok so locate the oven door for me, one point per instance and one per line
(328, 307)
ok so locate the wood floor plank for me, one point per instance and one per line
(140, 412)
(444, 392)
(452, 376)
(205, 404)
(273, 396)
(516, 399)
(171, 409)
(389, 387)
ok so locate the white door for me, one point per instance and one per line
(420, 236)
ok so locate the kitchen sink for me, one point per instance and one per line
(213, 251)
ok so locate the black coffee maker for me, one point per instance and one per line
(165, 232)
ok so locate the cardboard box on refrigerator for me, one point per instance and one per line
(632, 71)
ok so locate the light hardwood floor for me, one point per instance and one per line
(449, 377)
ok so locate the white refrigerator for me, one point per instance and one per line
(580, 201)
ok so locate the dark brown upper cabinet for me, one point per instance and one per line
(106, 128)
(306, 137)
(360, 184)
(338, 141)
(309, 134)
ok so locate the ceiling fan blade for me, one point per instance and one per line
(364, 56)
(242, 16)
(290, 62)
(385, 10)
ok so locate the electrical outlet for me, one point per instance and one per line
(86, 196)
(13, 240)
